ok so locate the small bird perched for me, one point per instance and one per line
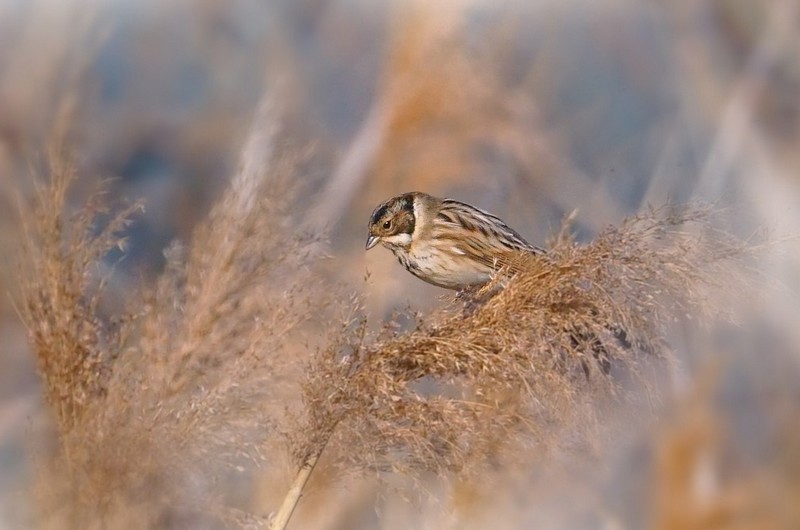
(454, 245)
(444, 242)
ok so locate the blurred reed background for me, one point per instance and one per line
(529, 109)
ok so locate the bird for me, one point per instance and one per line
(458, 246)
(444, 242)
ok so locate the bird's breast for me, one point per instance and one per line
(444, 267)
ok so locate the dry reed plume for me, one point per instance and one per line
(154, 406)
(462, 389)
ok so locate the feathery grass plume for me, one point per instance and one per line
(573, 330)
(156, 409)
(61, 290)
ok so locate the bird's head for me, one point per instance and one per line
(392, 223)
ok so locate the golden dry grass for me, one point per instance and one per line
(194, 371)
(462, 385)
(154, 403)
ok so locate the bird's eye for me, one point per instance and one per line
(387, 224)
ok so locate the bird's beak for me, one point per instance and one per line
(372, 241)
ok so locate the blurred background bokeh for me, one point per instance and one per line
(530, 109)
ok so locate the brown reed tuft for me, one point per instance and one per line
(61, 291)
(155, 407)
(582, 326)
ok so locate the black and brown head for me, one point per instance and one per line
(392, 222)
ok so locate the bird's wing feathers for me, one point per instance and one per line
(494, 243)
(484, 224)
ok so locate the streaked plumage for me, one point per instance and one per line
(444, 242)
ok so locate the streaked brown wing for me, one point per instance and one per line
(489, 251)
(500, 238)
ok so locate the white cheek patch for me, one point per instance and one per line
(397, 240)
